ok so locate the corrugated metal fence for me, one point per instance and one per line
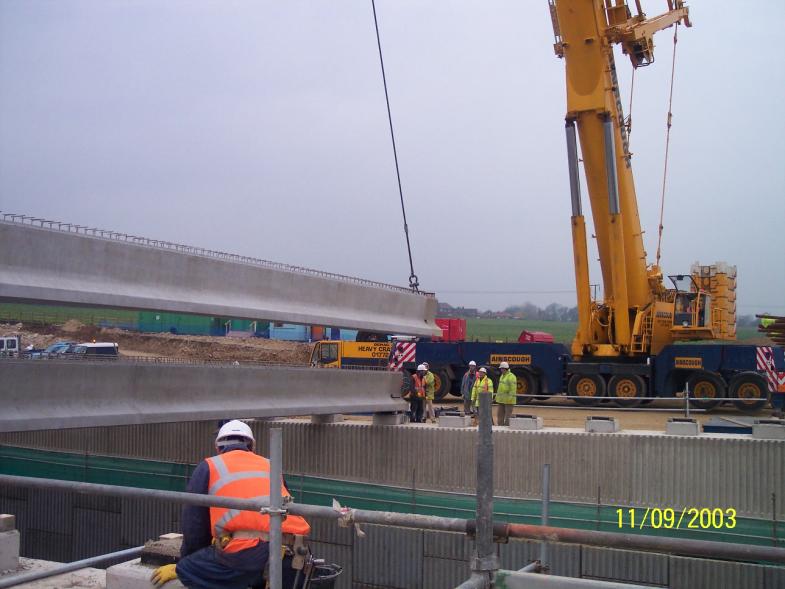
(626, 470)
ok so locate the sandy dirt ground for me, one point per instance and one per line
(133, 344)
(565, 414)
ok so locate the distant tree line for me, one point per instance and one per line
(553, 312)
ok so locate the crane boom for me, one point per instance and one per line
(585, 33)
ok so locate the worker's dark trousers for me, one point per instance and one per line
(416, 408)
(209, 568)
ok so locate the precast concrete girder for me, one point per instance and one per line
(54, 394)
(66, 264)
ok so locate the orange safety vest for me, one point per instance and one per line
(419, 385)
(245, 475)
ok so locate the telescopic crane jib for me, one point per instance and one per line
(637, 315)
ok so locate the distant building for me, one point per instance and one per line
(447, 310)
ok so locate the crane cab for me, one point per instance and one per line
(691, 310)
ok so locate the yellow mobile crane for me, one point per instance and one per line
(638, 317)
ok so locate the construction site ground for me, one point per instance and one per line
(227, 349)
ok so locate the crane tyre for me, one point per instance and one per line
(527, 388)
(590, 386)
(707, 389)
(441, 384)
(628, 390)
(751, 386)
(407, 386)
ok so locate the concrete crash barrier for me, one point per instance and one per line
(106, 269)
(58, 394)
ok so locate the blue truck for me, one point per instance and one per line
(711, 372)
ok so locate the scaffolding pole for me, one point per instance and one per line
(701, 548)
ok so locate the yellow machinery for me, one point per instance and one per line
(638, 314)
(340, 354)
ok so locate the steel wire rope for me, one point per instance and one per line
(667, 144)
(414, 283)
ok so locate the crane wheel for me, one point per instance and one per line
(750, 386)
(527, 387)
(627, 390)
(589, 386)
(707, 389)
(441, 384)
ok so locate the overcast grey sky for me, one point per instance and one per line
(260, 128)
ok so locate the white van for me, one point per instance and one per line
(10, 346)
(98, 350)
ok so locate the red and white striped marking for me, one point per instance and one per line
(404, 352)
(765, 362)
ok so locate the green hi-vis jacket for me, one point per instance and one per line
(508, 386)
(430, 387)
(481, 384)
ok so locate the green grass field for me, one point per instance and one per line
(509, 329)
(504, 330)
(51, 314)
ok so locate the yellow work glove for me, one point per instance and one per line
(163, 575)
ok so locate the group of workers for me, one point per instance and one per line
(421, 395)
(423, 390)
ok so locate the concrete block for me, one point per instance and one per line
(769, 429)
(7, 522)
(682, 426)
(455, 421)
(81, 579)
(9, 550)
(134, 575)
(165, 550)
(328, 418)
(526, 422)
(388, 418)
(602, 425)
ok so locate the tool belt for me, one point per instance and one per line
(224, 539)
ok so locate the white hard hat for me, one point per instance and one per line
(504, 365)
(233, 429)
(427, 366)
(472, 363)
(422, 367)
(483, 369)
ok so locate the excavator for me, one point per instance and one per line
(623, 345)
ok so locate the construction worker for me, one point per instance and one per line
(417, 397)
(481, 384)
(223, 548)
(430, 393)
(505, 394)
(467, 382)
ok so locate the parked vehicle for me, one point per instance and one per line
(10, 346)
(341, 354)
(96, 350)
(54, 350)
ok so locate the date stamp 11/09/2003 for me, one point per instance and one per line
(690, 518)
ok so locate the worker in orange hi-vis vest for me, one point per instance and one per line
(227, 548)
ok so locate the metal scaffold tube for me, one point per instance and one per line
(15, 580)
(276, 479)
(702, 548)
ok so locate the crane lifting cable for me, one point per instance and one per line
(414, 283)
(667, 142)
